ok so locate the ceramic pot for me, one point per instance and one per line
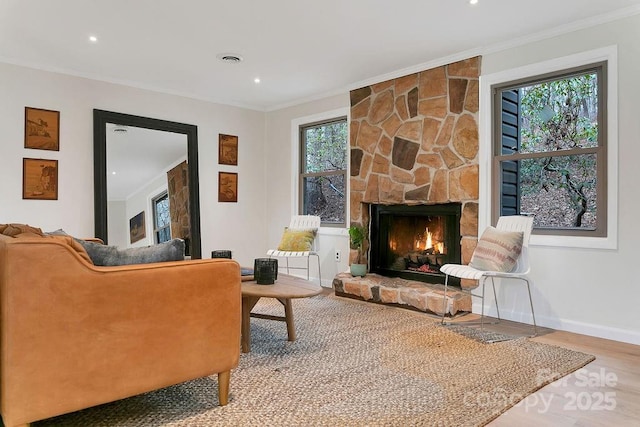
(358, 270)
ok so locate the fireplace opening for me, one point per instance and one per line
(414, 241)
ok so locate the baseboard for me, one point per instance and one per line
(591, 329)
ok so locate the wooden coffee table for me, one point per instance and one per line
(284, 290)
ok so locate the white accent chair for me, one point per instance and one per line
(301, 222)
(519, 272)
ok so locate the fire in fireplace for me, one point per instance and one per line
(413, 242)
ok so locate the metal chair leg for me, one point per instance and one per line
(319, 271)
(444, 298)
(533, 315)
(495, 297)
(484, 281)
(308, 268)
(287, 258)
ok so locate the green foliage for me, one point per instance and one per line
(326, 147)
(357, 234)
(561, 115)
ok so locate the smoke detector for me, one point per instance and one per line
(230, 58)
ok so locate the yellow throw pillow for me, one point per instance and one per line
(297, 240)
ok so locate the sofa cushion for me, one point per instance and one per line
(106, 255)
(58, 232)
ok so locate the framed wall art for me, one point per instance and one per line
(40, 179)
(228, 149)
(227, 187)
(41, 129)
(136, 228)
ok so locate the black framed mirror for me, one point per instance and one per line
(100, 120)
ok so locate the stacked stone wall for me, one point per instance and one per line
(414, 140)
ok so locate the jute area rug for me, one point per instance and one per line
(354, 364)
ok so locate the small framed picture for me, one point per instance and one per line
(228, 149)
(41, 129)
(227, 187)
(137, 228)
(40, 179)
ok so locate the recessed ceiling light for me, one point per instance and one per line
(256, 80)
(230, 58)
(93, 39)
(473, 1)
(113, 173)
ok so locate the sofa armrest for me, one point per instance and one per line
(75, 335)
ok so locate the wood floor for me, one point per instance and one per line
(606, 392)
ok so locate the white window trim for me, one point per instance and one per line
(609, 54)
(295, 154)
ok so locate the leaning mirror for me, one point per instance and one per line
(156, 170)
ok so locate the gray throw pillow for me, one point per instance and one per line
(58, 232)
(106, 255)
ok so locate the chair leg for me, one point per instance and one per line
(444, 298)
(319, 272)
(287, 258)
(533, 315)
(484, 282)
(308, 270)
(495, 297)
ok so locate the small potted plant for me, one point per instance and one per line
(357, 235)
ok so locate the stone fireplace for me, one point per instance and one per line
(414, 241)
(414, 142)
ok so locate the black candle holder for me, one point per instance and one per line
(223, 253)
(265, 270)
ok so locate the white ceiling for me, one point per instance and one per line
(137, 156)
(300, 49)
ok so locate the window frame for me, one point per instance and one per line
(607, 53)
(600, 151)
(302, 149)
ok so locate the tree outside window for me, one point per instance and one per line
(324, 171)
(551, 151)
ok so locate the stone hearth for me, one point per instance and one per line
(422, 296)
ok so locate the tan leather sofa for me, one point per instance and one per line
(74, 335)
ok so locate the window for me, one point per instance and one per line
(161, 218)
(323, 167)
(550, 157)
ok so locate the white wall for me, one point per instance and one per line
(236, 226)
(141, 201)
(592, 291)
(282, 170)
(116, 223)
